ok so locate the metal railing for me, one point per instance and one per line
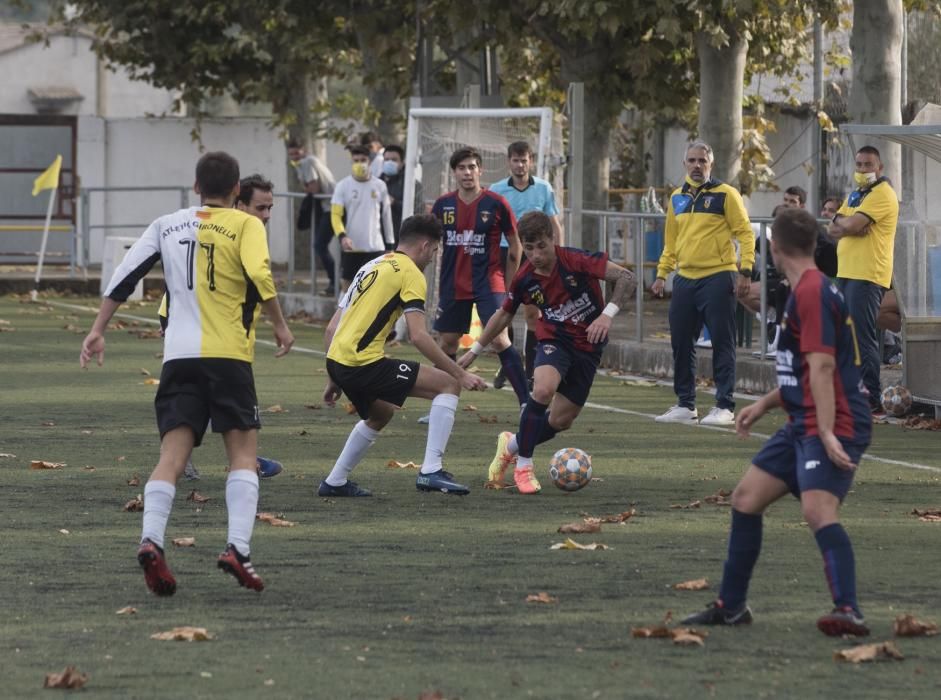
(39, 228)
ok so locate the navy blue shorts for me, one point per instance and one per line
(802, 463)
(455, 316)
(577, 368)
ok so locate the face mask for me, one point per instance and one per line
(863, 179)
(360, 171)
(390, 168)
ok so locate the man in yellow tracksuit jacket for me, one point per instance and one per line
(703, 218)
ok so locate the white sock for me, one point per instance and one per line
(512, 446)
(241, 500)
(440, 422)
(360, 440)
(158, 502)
(524, 462)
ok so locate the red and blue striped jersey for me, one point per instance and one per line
(816, 320)
(569, 297)
(471, 264)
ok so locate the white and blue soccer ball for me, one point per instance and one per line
(570, 469)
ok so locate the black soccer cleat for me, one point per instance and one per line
(442, 481)
(842, 621)
(717, 614)
(241, 568)
(499, 379)
(348, 489)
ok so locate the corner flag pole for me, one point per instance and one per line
(49, 180)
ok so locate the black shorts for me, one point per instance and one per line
(386, 380)
(193, 391)
(576, 367)
(351, 262)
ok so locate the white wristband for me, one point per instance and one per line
(476, 348)
(611, 310)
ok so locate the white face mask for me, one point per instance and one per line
(390, 168)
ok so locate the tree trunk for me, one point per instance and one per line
(380, 93)
(875, 95)
(721, 80)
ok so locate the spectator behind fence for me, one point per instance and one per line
(316, 178)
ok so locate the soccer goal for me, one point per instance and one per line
(434, 134)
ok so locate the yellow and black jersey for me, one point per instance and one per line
(383, 289)
(217, 271)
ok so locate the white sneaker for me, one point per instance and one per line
(678, 414)
(704, 343)
(718, 416)
(425, 420)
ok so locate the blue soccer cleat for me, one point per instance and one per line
(268, 468)
(349, 489)
(440, 481)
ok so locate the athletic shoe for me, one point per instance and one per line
(843, 621)
(878, 413)
(268, 468)
(704, 343)
(717, 614)
(526, 481)
(502, 459)
(424, 420)
(241, 568)
(329, 291)
(442, 481)
(678, 414)
(499, 379)
(190, 473)
(348, 489)
(157, 574)
(718, 416)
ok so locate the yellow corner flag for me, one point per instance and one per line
(49, 180)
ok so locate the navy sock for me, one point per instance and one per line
(838, 564)
(513, 369)
(548, 432)
(531, 426)
(744, 548)
(453, 356)
(529, 348)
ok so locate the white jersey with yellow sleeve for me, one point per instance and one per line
(383, 289)
(217, 271)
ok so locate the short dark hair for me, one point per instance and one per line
(872, 150)
(534, 226)
(368, 137)
(358, 150)
(420, 226)
(217, 174)
(794, 231)
(463, 154)
(519, 148)
(798, 192)
(778, 208)
(248, 185)
(832, 198)
(393, 148)
(294, 143)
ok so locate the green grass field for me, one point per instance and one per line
(406, 593)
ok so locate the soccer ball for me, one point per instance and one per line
(570, 469)
(896, 400)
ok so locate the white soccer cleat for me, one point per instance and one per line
(678, 414)
(718, 416)
(704, 343)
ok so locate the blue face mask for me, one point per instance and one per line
(390, 168)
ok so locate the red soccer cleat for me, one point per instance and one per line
(157, 574)
(241, 568)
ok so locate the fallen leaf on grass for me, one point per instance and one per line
(40, 464)
(699, 584)
(275, 409)
(909, 626)
(122, 458)
(48, 424)
(691, 504)
(542, 597)
(134, 505)
(72, 328)
(183, 634)
(313, 406)
(616, 518)
(687, 637)
(184, 542)
(7, 455)
(152, 381)
(930, 515)
(134, 481)
(127, 610)
(638, 382)
(88, 468)
(64, 532)
(572, 544)
(869, 652)
(70, 678)
(921, 423)
(719, 498)
(656, 632)
(579, 528)
(349, 408)
(393, 464)
(146, 334)
(274, 520)
(197, 497)
(487, 419)
(7, 329)
(498, 485)
(145, 372)
(469, 407)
